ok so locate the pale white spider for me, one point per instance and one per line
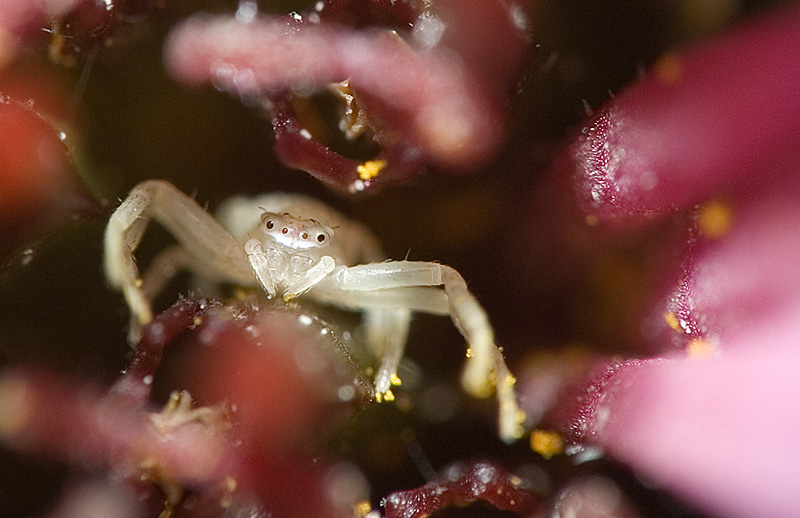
(292, 246)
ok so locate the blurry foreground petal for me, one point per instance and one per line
(421, 103)
(704, 122)
(38, 184)
(720, 432)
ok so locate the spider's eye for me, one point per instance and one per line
(304, 235)
(284, 230)
(321, 238)
(270, 225)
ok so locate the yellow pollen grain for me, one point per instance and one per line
(370, 169)
(547, 443)
(699, 349)
(144, 318)
(672, 321)
(362, 509)
(395, 380)
(138, 282)
(228, 487)
(198, 320)
(470, 352)
(714, 219)
(388, 395)
(483, 391)
(669, 68)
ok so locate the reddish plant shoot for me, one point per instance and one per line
(431, 95)
(461, 485)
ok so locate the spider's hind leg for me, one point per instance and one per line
(440, 290)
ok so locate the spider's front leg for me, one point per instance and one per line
(261, 266)
(438, 289)
(281, 271)
(206, 246)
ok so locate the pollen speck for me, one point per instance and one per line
(699, 349)
(672, 321)
(669, 68)
(546, 443)
(370, 169)
(714, 219)
(362, 509)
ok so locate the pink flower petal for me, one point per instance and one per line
(720, 432)
(742, 278)
(701, 123)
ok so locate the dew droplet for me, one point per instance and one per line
(246, 11)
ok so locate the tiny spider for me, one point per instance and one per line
(292, 246)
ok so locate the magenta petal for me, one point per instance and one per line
(721, 432)
(702, 122)
(742, 279)
(491, 36)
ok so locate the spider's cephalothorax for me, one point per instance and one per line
(286, 244)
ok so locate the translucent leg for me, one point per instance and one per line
(485, 370)
(387, 332)
(194, 228)
(269, 268)
(310, 278)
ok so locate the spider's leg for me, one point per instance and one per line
(386, 334)
(162, 269)
(260, 263)
(366, 285)
(194, 228)
(310, 277)
(122, 236)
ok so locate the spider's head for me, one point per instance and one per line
(294, 232)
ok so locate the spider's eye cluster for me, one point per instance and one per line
(294, 232)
